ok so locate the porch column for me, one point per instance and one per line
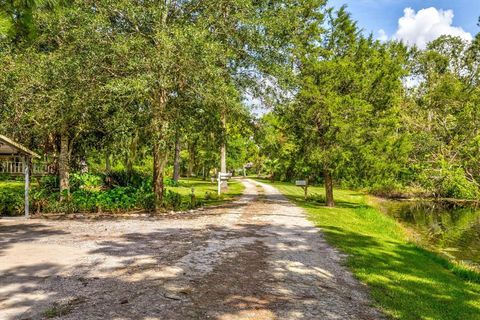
(26, 161)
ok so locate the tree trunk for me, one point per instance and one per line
(132, 153)
(191, 157)
(159, 146)
(108, 164)
(159, 162)
(223, 150)
(329, 201)
(64, 165)
(176, 160)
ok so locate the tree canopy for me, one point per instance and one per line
(168, 85)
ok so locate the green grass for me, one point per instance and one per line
(406, 282)
(201, 188)
(12, 185)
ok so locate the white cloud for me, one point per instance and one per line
(420, 28)
(382, 35)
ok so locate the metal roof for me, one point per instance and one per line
(10, 147)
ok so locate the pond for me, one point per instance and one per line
(449, 228)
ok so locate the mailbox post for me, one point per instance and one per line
(222, 177)
(304, 185)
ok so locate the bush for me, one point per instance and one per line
(118, 199)
(455, 185)
(84, 200)
(11, 203)
(50, 184)
(86, 181)
(448, 182)
(211, 196)
(89, 194)
(146, 200)
(388, 189)
(172, 200)
(124, 178)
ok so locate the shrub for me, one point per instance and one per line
(85, 200)
(172, 200)
(169, 182)
(387, 189)
(53, 205)
(124, 178)
(50, 184)
(88, 194)
(11, 202)
(118, 199)
(193, 200)
(86, 181)
(455, 185)
(39, 199)
(211, 196)
(146, 200)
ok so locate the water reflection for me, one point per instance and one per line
(453, 229)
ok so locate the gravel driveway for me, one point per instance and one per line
(255, 258)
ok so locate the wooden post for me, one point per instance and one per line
(26, 161)
(304, 185)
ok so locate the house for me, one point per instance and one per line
(16, 160)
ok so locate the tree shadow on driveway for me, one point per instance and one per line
(187, 273)
(24, 232)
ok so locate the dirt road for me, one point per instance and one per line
(256, 258)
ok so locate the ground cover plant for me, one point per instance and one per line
(11, 197)
(90, 194)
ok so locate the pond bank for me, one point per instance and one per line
(450, 228)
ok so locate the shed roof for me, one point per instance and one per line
(10, 147)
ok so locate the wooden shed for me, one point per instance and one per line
(16, 160)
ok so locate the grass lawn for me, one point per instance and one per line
(201, 188)
(405, 281)
(12, 185)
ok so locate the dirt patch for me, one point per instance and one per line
(255, 258)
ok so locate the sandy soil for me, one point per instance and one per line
(256, 258)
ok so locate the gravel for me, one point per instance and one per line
(255, 258)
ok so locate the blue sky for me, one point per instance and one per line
(373, 15)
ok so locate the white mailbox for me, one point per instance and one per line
(301, 183)
(221, 178)
(224, 176)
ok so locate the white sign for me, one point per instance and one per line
(301, 183)
(225, 175)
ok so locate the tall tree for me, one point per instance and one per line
(349, 91)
